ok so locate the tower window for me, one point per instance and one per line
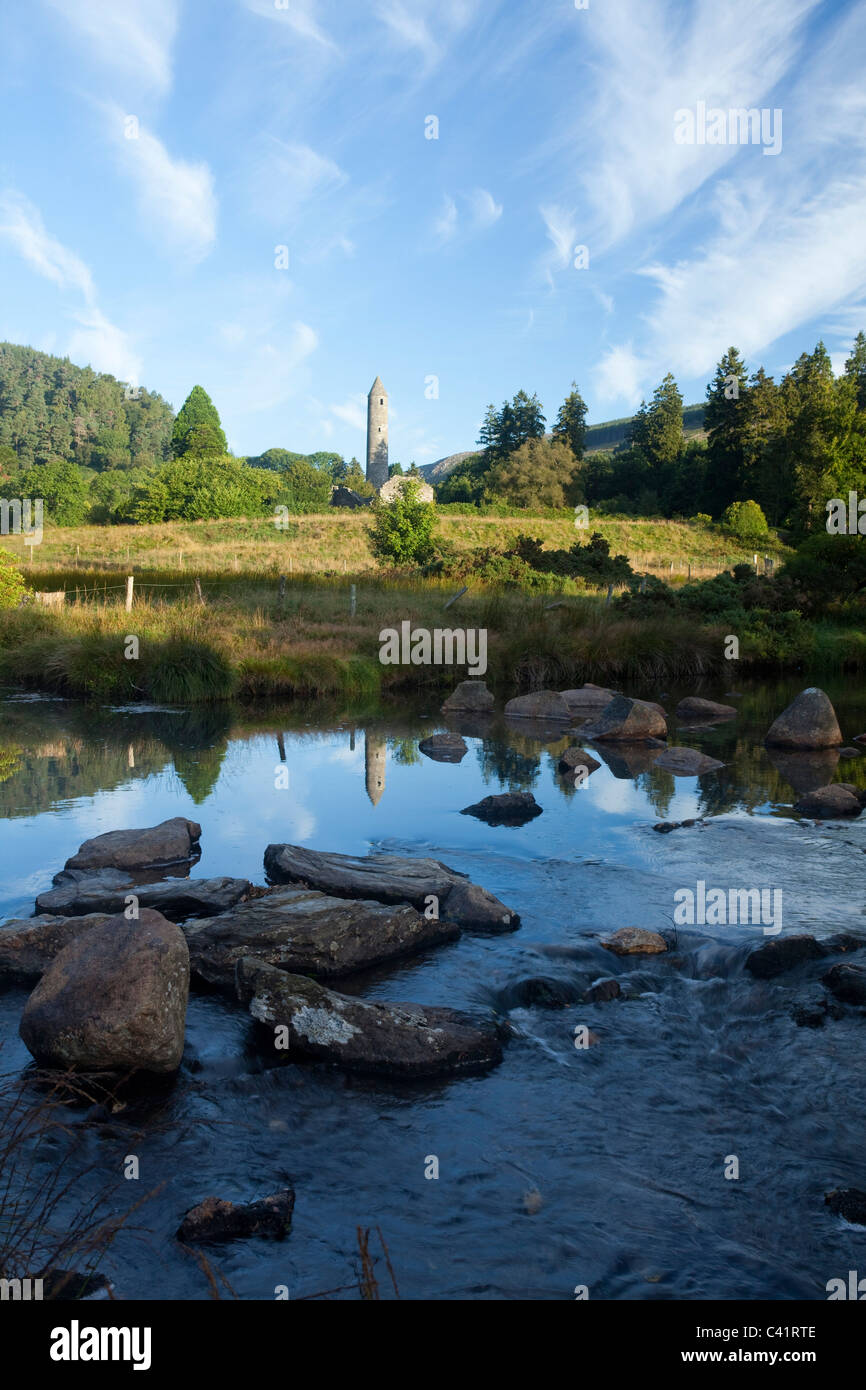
(381, 402)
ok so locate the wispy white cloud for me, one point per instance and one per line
(298, 16)
(408, 25)
(22, 226)
(561, 225)
(353, 411)
(132, 37)
(104, 346)
(482, 212)
(619, 375)
(272, 371)
(445, 225)
(286, 175)
(96, 340)
(176, 196)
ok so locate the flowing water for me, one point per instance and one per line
(565, 1166)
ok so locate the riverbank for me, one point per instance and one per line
(248, 638)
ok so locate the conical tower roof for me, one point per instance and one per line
(377, 389)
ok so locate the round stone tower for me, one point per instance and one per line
(377, 435)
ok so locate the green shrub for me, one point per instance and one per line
(402, 530)
(11, 581)
(746, 521)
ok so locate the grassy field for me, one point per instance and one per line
(335, 542)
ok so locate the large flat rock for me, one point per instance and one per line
(307, 932)
(624, 720)
(399, 1040)
(106, 890)
(29, 945)
(113, 1000)
(392, 878)
(173, 841)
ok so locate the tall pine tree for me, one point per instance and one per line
(197, 429)
(570, 424)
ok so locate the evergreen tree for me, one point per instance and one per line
(570, 424)
(197, 429)
(665, 422)
(855, 368)
(725, 418)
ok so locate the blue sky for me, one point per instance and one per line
(302, 123)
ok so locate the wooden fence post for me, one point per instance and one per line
(352, 599)
(199, 594)
(130, 582)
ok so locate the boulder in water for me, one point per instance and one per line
(627, 721)
(472, 696)
(174, 841)
(808, 722)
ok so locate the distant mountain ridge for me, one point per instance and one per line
(599, 439)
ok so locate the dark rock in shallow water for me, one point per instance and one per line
(307, 932)
(171, 842)
(472, 696)
(850, 752)
(686, 762)
(541, 704)
(214, 1219)
(509, 808)
(781, 954)
(29, 945)
(847, 982)
(176, 898)
(848, 1202)
(813, 1015)
(444, 748)
(694, 707)
(627, 721)
(400, 1040)
(575, 758)
(392, 878)
(539, 991)
(829, 803)
(602, 992)
(113, 1000)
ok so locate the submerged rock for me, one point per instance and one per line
(602, 992)
(694, 707)
(686, 762)
(781, 954)
(176, 898)
(846, 982)
(29, 945)
(541, 704)
(848, 1202)
(627, 720)
(539, 991)
(470, 695)
(307, 932)
(392, 878)
(214, 1219)
(808, 722)
(829, 803)
(444, 748)
(113, 1000)
(399, 1040)
(172, 842)
(634, 941)
(70, 1285)
(509, 808)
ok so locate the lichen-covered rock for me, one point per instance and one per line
(686, 762)
(214, 1219)
(29, 945)
(541, 704)
(113, 1000)
(392, 878)
(472, 696)
(508, 808)
(444, 748)
(398, 1040)
(311, 933)
(635, 941)
(808, 722)
(107, 890)
(172, 842)
(627, 721)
